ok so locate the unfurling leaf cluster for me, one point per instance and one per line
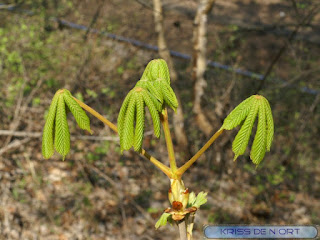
(152, 90)
(131, 118)
(56, 131)
(156, 80)
(193, 201)
(197, 201)
(245, 114)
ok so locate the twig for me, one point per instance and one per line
(16, 119)
(118, 190)
(21, 105)
(141, 210)
(93, 21)
(103, 175)
(304, 21)
(14, 144)
(7, 6)
(115, 186)
(20, 133)
(315, 103)
(73, 137)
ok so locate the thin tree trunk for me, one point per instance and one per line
(164, 53)
(199, 63)
(163, 49)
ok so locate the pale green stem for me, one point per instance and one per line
(167, 134)
(166, 170)
(188, 164)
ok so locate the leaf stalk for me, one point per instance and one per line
(167, 134)
(188, 164)
(166, 170)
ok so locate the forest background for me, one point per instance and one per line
(268, 47)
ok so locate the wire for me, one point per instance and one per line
(141, 44)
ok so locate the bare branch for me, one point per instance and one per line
(73, 137)
(306, 20)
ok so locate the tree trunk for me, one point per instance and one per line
(199, 63)
(178, 120)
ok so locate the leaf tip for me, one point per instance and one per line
(46, 156)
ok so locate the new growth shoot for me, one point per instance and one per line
(154, 93)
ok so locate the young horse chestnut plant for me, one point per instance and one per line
(153, 92)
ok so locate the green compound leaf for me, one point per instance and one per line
(78, 113)
(156, 79)
(160, 70)
(62, 135)
(270, 125)
(238, 114)
(152, 90)
(144, 83)
(163, 220)
(123, 111)
(245, 113)
(153, 112)
(155, 102)
(169, 95)
(146, 74)
(155, 92)
(131, 118)
(127, 134)
(240, 142)
(47, 136)
(258, 149)
(139, 130)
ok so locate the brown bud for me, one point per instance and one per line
(176, 205)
